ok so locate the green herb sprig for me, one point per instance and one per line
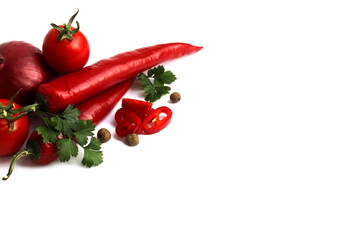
(155, 81)
(67, 131)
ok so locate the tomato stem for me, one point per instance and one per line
(7, 112)
(65, 30)
(24, 110)
(17, 156)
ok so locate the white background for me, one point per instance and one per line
(263, 145)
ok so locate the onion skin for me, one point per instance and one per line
(22, 66)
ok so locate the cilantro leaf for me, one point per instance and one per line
(154, 83)
(66, 149)
(92, 155)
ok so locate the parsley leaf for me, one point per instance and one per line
(84, 129)
(48, 134)
(92, 155)
(61, 125)
(154, 83)
(165, 78)
(70, 113)
(66, 121)
(68, 132)
(66, 149)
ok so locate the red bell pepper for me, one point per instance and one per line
(99, 106)
(73, 88)
(157, 120)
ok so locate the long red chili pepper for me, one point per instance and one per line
(98, 106)
(75, 87)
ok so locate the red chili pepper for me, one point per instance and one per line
(39, 152)
(98, 106)
(157, 120)
(73, 88)
(127, 122)
(140, 108)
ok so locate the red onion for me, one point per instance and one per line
(22, 66)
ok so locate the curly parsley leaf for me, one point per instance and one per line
(154, 83)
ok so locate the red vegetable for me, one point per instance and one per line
(39, 152)
(66, 48)
(157, 120)
(140, 108)
(127, 122)
(75, 87)
(14, 127)
(138, 117)
(98, 106)
(22, 66)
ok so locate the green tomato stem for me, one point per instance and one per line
(65, 31)
(7, 112)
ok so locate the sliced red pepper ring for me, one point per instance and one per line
(157, 120)
(126, 127)
(127, 122)
(139, 107)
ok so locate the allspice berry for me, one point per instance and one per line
(103, 135)
(175, 97)
(132, 139)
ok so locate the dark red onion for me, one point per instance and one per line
(22, 65)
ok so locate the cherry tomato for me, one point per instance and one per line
(65, 48)
(11, 142)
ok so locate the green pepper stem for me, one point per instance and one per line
(17, 156)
